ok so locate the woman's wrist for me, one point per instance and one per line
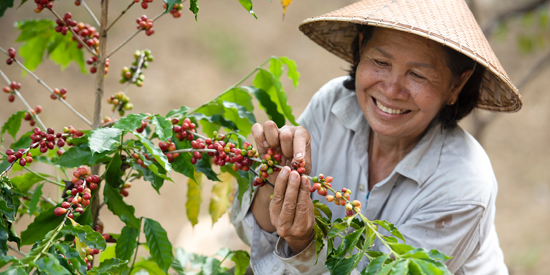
(298, 245)
(260, 208)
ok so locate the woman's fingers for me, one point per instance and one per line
(278, 195)
(303, 219)
(286, 136)
(302, 143)
(288, 208)
(271, 132)
(259, 138)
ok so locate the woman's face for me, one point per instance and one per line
(402, 82)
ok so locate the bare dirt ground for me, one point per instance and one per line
(197, 60)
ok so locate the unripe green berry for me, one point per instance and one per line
(315, 179)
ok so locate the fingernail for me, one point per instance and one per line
(266, 144)
(294, 176)
(305, 181)
(284, 171)
(298, 156)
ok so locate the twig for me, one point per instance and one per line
(90, 12)
(121, 14)
(17, 250)
(489, 28)
(196, 134)
(42, 177)
(48, 200)
(29, 108)
(141, 59)
(49, 89)
(74, 33)
(193, 150)
(137, 247)
(131, 36)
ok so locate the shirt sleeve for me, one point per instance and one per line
(453, 230)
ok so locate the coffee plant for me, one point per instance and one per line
(99, 164)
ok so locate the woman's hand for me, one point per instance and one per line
(291, 210)
(294, 144)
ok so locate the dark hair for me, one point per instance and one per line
(458, 63)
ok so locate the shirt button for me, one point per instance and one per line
(362, 187)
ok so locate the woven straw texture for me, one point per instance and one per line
(448, 22)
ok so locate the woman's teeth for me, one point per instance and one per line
(389, 110)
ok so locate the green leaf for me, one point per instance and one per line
(242, 178)
(39, 36)
(431, 267)
(148, 175)
(182, 257)
(182, 164)
(109, 266)
(336, 229)
(86, 234)
(375, 265)
(170, 5)
(350, 241)
(127, 243)
(220, 197)
(4, 238)
(113, 174)
(390, 228)
(14, 271)
(194, 199)
(4, 5)
(276, 67)
(150, 266)
(346, 265)
(130, 122)
(72, 256)
(155, 152)
(14, 122)
(216, 119)
(194, 7)
(104, 139)
(51, 266)
(108, 253)
(240, 116)
(35, 199)
(323, 207)
(81, 155)
(421, 253)
(293, 73)
(241, 260)
(400, 248)
(159, 245)
(116, 204)
(268, 106)
(182, 111)
(266, 81)
(247, 5)
(163, 127)
(204, 166)
(238, 95)
(45, 222)
(401, 267)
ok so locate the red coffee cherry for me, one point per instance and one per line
(59, 211)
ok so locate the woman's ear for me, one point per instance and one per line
(459, 84)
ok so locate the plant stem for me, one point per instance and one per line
(90, 12)
(137, 247)
(42, 177)
(75, 34)
(121, 14)
(29, 108)
(379, 236)
(232, 87)
(131, 36)
(193, 150)
(17, 250)
(120, 104)
(49, 89)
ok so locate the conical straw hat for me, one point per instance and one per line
(448, 22)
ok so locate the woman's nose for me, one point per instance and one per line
(393, 87)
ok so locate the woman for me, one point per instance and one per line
(389, 133)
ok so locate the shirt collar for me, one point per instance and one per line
(418, 165)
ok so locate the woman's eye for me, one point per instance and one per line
(418, 76)
(380, 63)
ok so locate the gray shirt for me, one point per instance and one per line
(440, 196)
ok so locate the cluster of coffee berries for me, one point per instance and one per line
(144, 3)
(24, 156)
(268, 163)
(64, 24)
(176, 10)
(59, 93)
(300, 167)
(146, 25)
(11, 53)
(182, 130)
(139, 161)
(142, 127)
(79, 196)
(11, 90)
(121, 100)
(88, 34)
(320, 183)
(93, 61)
(41, 4)
(123, 189)
(167, 147)
(47, 140)
(29, 116)
(128, 74)
(107, 119)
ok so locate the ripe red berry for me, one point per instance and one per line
(10, 152)
(7, 90)
(9, 61)
(11, 98)
(59, 211)
(144, 5)
(11, 158)
(92, 185)
(11, 52)
(301, 170)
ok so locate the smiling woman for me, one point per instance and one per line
(389, 132)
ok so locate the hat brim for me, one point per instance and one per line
(337, 33)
